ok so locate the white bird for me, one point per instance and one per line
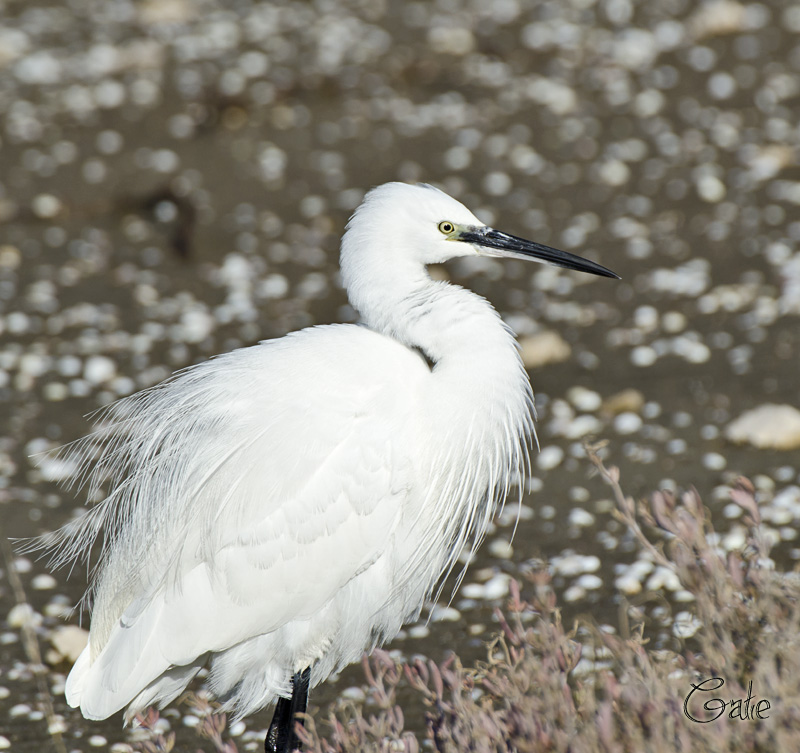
(276, 511)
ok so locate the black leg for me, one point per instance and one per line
(280, 736)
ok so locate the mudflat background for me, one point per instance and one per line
(174, 180)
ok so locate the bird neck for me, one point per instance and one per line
(474, 355)
(442, 320)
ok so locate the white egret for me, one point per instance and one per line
(274, 512)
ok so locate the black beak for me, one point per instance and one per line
(518, 248)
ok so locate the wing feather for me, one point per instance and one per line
(229, 484)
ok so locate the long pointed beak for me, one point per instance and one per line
(510, 246)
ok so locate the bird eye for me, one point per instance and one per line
(446, 227)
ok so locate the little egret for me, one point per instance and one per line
(274, 512)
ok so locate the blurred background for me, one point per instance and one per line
(175, 176)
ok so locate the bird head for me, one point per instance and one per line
(431, 227)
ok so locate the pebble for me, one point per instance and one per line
(472, 591)
(769, 426)
(23, 564)
(497, 587)
(576, 428)
(23, 615)
(579, 494)
(628, 400)
(663, 578)
(513, 511)
(646, 318)
(674, 321)
(643, 356)
(627, 423)
(574, 593)
(714, 461)
(20, 709)
(501, 549)
(581, 518)
(629, 584)
(690, 279)
(788, 498)
(353, 693)
(69, 641)
(543, 348)
(497, 183)
(779, 516)
(685, 625)
(441, 613)
(710, 188)
(570, 564)
(43, 582)
(676, 446)
(547, 512)
(632, 576)
(589, 582)
(99, 369)
(735, 539)
(709, 432)
(195, 325)
(46, 206)
(732, 511)
(549, 458)
(584, 400)
(58, 726)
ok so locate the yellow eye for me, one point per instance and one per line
(447, 227)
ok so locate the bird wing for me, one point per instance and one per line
(246, 493)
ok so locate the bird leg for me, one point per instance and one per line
(281, 737)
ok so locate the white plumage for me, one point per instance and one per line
(292, 504)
